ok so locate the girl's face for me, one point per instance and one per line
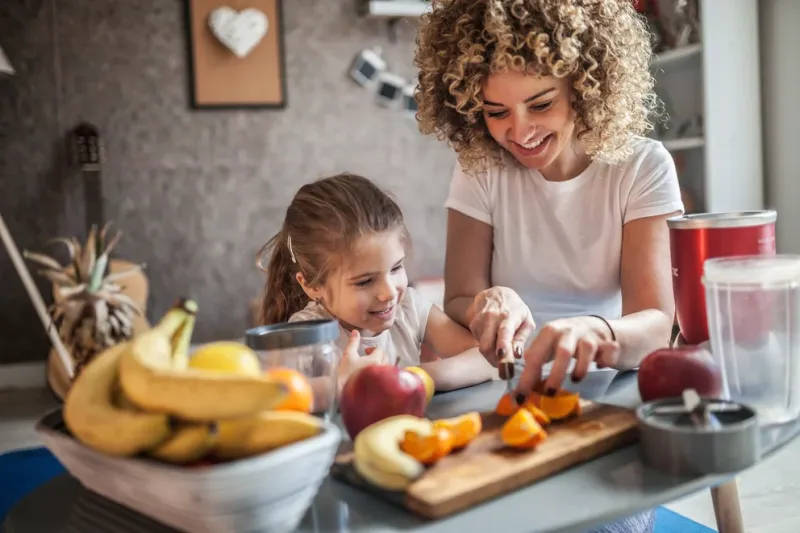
(365, 291)
(529, 116)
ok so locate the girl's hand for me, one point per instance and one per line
(351, 362)
(501, 323)
(581, 338)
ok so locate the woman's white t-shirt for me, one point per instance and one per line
(558, 244)
(402, 343)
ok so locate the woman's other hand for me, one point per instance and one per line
(501, 323)
(584, 339)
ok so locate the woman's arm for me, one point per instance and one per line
(648, 304)
(467, 264)
(446, 337)
(497, 317)
(462, 370)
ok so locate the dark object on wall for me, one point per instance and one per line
(389, 91)
(367, 66)
(409, 104)
(236, 58)
(87, 155)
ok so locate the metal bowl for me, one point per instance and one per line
(673, 441)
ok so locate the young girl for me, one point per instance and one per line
(340, 254)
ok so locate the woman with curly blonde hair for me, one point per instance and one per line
(557, 205)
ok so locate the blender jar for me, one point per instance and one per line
(753, 309)
(306, 346)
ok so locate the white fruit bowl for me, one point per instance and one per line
(268, 493)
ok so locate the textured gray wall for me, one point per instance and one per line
(195, 192)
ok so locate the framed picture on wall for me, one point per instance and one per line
(236, 54)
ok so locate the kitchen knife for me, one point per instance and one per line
(506, 371)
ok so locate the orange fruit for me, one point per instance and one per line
(300, 397)
(427, 380)
(559, 406)
(538, 415)
(506, 406)
(522, 431)
(465, 428)
(430, 448)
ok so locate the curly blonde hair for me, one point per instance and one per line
(603, 46)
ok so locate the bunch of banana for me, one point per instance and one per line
(378, 457)
(142, 397)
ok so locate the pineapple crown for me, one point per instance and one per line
(85, 272)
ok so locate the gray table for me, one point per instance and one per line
(608, 488)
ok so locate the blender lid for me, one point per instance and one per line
(292, 334)
(737, 219)
(752, 269)
(704, 415)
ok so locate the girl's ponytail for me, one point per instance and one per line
(283, 295)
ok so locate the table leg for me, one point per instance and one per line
(727, 508)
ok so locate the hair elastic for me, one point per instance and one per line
(613, 335)
(289, 245)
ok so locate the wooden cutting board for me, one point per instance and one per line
(485, 469)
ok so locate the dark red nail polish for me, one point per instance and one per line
(518, 352)
(520, 399)
(501, 352)
(575, 379)
(550, 392)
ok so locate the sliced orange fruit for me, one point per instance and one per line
(506, 406)
(521, 430)
(558, 406)
(465, 428)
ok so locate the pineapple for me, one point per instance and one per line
(90, 311)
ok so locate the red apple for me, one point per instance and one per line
(379, 391)
(667, 372)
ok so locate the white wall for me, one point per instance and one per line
(780, 68)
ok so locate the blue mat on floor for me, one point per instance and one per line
(671, 522)
(21, 471)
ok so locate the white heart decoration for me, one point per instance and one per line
(239, 31)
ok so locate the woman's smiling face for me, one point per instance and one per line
(529, 116)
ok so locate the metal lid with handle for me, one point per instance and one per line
(292, 334)
(690, 435)
(737, 219)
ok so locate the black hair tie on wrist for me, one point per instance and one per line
(613, 335)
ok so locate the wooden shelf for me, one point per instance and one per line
(677, 55)
(394, 8)
(717, 81)
(687, 143)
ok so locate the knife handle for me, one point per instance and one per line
(506, 369)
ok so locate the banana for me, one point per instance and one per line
(383, 480)
(92, 416)
(119, 400)
(188, 443)
(378, 457)
(183, 337)
(255, 434)
(156, 381)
